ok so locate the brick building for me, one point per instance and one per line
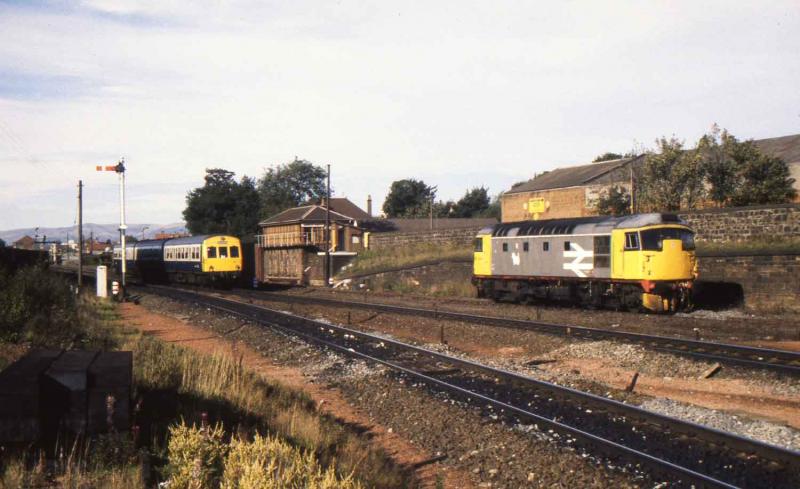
(566, 192)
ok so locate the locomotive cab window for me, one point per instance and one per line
(223, 252)
(234, 252)
(477, 245)
(212, 252)
(632, 241)
(653, 239)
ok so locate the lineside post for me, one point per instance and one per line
(80, 234)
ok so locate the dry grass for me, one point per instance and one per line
(407, 256)
(219, 385)
(171, 383)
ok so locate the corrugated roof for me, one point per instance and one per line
(572, 176)
(786, 148)
(345, 206)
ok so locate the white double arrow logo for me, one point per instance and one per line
(578, 254)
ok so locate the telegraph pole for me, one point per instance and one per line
(80, 234)
(328, 231)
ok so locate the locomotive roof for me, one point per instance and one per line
(580, 225)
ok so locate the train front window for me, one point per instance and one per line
(632, 241)
(234, 252)
(653, 239)
(223, 252)
(212, 252)
(478, 245)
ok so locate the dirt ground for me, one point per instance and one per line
(415, 423)
(173, 330)
(598, 367)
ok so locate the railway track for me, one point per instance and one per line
(787, 362)
(783, 361)
(684, 453)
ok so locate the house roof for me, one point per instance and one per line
(786, 148)
(572, 176)
(345, 206)
(305, 213)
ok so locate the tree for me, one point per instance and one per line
(671, 178)
(765, 180)
(738, 173)
(222, 205)
(289, 185)
(408, 198)
(615, 201)
(607, 157)
(473, 203)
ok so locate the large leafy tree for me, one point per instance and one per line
(408, 198)
(765, 180)
(615, 201)
(222, 205)
(739, 174)
(671, 178)
(289, 185)
(474, 202)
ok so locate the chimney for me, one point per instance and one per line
(369, 205)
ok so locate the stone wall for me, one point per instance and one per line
(744, 223)
(456, 237)
(768, 282)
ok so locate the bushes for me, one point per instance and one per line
(38, 307)
(199, 458)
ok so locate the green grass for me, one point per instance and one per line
(406, 256)
(176, 388)
(759, 245)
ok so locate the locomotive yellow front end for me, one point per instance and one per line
(661, 259)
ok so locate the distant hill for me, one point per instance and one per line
(101, 232)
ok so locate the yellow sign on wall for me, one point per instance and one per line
(536, 206)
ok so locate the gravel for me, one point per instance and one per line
(771, 433)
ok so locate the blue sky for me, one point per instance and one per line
(459, 94)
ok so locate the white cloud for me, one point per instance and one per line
(458, 94)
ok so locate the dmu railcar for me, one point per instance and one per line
(642, 261)
(205, 259)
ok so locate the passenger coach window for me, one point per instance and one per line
(234, 252)
(478, 245)
(212, 252)
(632, 241)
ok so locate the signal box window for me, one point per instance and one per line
(505, 246)
(478, 245)
(546, 246)
(632, 241)
(234, 252)
(525, 246)
(212, 252)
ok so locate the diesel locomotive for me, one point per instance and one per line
(641, 261)
(204, 259)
